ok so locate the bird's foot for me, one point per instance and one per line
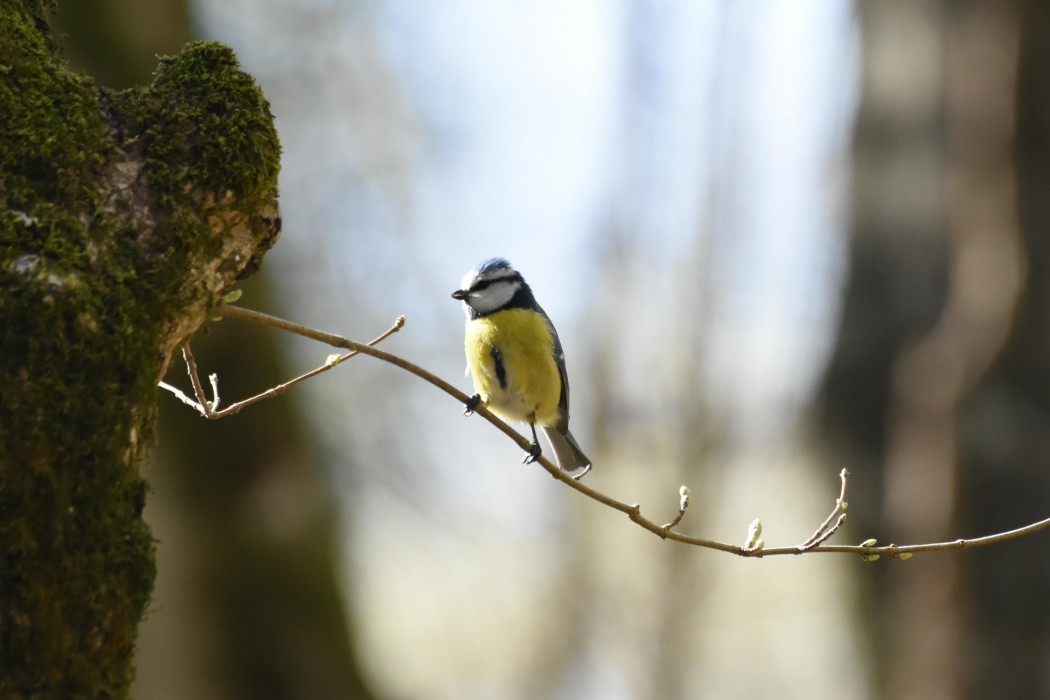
(472, 404)
(533, 454)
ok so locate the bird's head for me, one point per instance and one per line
(488, 287)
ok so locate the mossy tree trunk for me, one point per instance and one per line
(125, 215)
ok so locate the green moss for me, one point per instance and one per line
(77, 557)
(91, 281)
(204, 117)
(207, 136)
(50, 118)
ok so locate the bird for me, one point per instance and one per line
(516, 361)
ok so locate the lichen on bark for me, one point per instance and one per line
(124, 216)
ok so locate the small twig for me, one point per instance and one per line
(181, 396)
(195, 380)
(826, 535)
(683, 503)
(213, 379)
(235, 408)
(228, 311)
(826, 528)
(208, 408)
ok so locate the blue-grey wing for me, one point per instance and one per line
(559, 360)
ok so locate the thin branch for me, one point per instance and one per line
(826, 529)
(683, 503)
(213, 379)
(208, 408)
(227, 311)
(181, 396)
(816, 543)
(826, 534)
(195, 380)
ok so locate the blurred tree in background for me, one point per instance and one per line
(939, 378)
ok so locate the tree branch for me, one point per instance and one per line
(867, 550)
(208, 409)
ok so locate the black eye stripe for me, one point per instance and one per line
(486, 283)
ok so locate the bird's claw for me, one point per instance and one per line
(472, 404)
(533, 454)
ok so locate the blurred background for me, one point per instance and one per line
(778, 238)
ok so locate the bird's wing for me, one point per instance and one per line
(559, 359)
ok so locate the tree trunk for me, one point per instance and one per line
(125, 217)
(1009, 422)
(938, 267)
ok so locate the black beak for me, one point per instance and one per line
(460, 294)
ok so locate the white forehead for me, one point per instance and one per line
(469, 279)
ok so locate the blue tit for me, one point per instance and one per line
(515, 359)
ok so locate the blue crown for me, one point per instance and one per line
(493, 264)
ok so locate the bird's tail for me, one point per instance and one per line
(567, 454)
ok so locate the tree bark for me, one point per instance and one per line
(125, 217)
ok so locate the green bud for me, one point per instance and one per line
(754, 532)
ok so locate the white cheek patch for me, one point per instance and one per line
(482, 303)
(493, 297)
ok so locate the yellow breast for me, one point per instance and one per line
(529, 388)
